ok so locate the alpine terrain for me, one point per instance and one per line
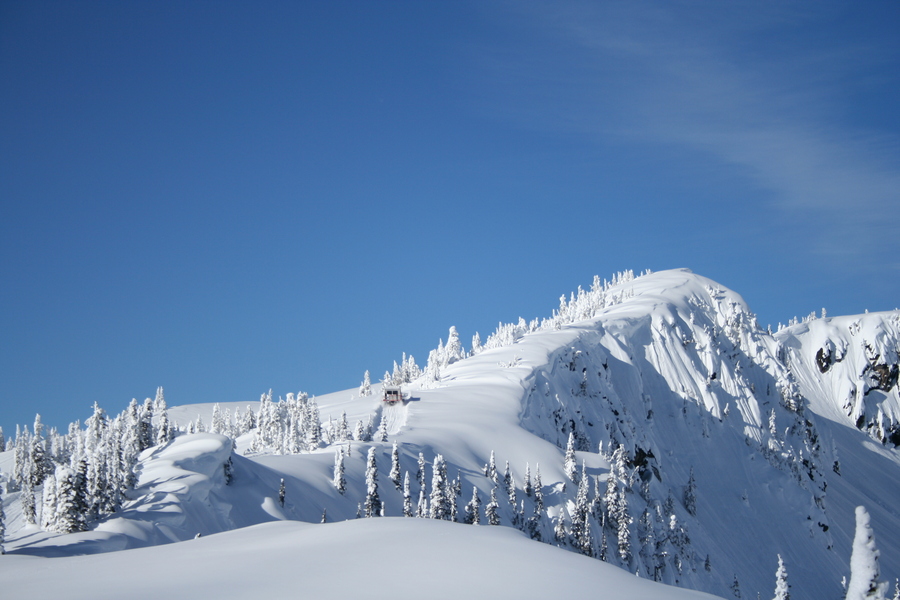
(649, 439)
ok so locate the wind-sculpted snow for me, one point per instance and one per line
(371, 558)
(848, 367)
(702, 446)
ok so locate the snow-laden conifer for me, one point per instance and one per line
(407, 497)
(281, 493)
(491, 510)
(570, 465)
(339, 481)
(373, 502)
(395, 466)
(526, 484)
(782, 589)
(538, 491)
(48, 504)
(690, 494)
(2, 525)
(472, 509)
(440, 504)
(491, 469)
(365, 388)
(864, 571)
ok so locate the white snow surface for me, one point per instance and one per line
(676, 369)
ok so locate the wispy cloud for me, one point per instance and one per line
(728, 80)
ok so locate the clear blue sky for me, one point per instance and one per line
(222, 198)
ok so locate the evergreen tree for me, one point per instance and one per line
(491, 470)
(407, 497)
(340, 482)
(690, 495)
(68, 518)
(559, 530)
(473, 509)
(864, 571)
(48, 505)
(420, 472)
(538, 491)
(395, 466)
(365, 388)
(382, 430)
(507, 478)
(490, 511)
(373, 502)
(736, 588)
(281, 493)
(163, 431)
(782, 589)
(526, 485)
(28, 502)
(570, 465)
(513, 501)
(453, 351)
(581, 527)
(145, 426)
(440, 504)
(324, 516)
(422, 505)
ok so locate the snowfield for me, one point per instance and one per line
(368, 558)
(674, 437)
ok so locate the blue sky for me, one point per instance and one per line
(222, 198)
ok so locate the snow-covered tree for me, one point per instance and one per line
(690, 494)
(395, 466)
(440, 502)
(581, 527)
(339, 481)
(490, 511)
(29, 512)
(490, 470)
(373, 502)
(281, 492)
(473, 509)
(476, 345)
(864, 571)
(782, 589)
(407, 497)
(365, 388)
(69, 518)
(570, 464)
(526, 484)
(538, 491)
(453, 351)
(48, 504)
(420, 471)
(559, 530)
(382, 435)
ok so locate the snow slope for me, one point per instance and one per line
(671, 366)
(370, 558)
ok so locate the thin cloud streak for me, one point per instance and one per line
(665, 78)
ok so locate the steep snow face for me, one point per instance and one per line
(848, 368)
(682, 377)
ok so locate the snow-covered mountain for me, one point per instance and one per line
(650, 423)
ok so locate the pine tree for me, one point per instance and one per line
(163, 433)
(68, 516)
(507, 477)
(422, 505)
(490, 511)
(782, 589)
(373, 502)
(281, 492)
(736, 588)
(538, 491)
(581, 528)
(864, 571)
(473, 509)
(526, 485)
(513, 501)
(570, 465)
(48, 505)
(420, 472)
(382, 430)
(491, 470)
(407, 497)
(395, 466)
(440, 505)
(365, 388)
(28, 502)
(690, 495)
(559, 530)
(340, 482)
